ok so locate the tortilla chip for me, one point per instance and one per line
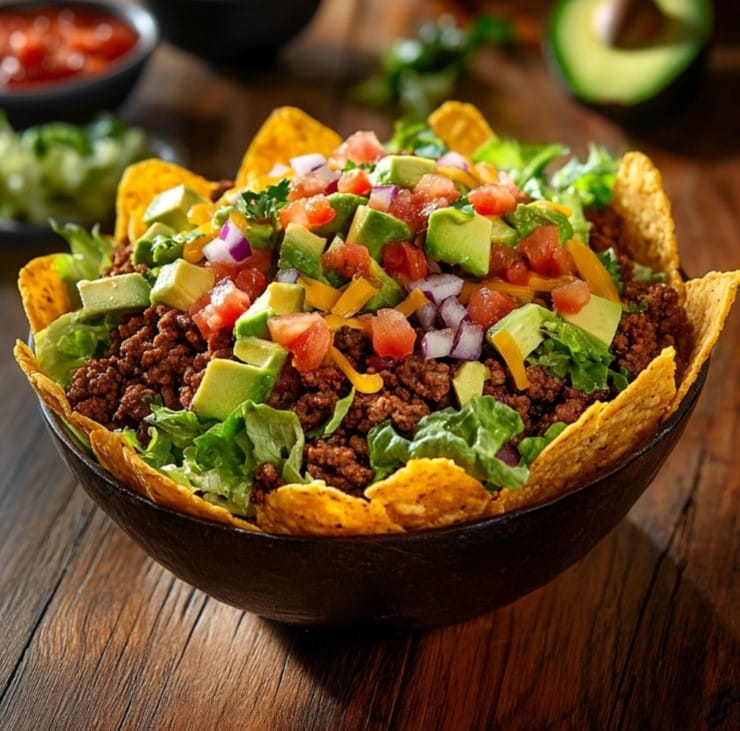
(319, 510)
(708, 301)
(603, 434)
(286, 133)
(140, 183)
(649, 229)
(124, 464)
(461, 126)
(43, 293)
(430, 493)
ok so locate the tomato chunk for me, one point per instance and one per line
(360, 148)
(571, 297)
(309, 212)
(219, 308)
(486, 306)
(508, 264)
(305, 334)
(355, 181)
(544, 253)
(492, 199)
(348, 260)
(393, 336)
(404, 261)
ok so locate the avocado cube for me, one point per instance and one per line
(302, 249)
(457, 237)
(374, 229)
(121, 293)
(280, 298)
(143, 254)
(171, 207)
(468, 380)
(404, 171)
(228, 383)
(344, 205)
(599, 317)
(501, 232)
(389, 293)
(181, 283)
(524, 324)
(260, 352)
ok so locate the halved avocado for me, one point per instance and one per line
(623, 79)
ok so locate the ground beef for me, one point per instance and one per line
(337, 463)
(158, 355)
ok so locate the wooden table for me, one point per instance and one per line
(643, 633)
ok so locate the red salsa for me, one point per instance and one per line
(41, 45)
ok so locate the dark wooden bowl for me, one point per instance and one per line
(79, 99)
(417, 580)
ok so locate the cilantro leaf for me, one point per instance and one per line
(264, 206)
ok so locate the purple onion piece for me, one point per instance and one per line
(382, 196)
(304, 164)
(508, 455)
(453, 312)
(437, 343)
(468, 342)
(231, 245)
(427, 316)
(438, 287)
(287, 276)
(452, 159)
(326, 175)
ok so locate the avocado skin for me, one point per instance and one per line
(666, 100)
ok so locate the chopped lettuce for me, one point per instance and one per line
(335, 420)
(592, 180)
(411, 135)
(68, 342)
(471, 437)
(530, 447)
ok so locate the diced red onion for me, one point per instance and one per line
(427, 316)
(508, 455)
(468, 341)
(452, 159)
(438, 287)
(382, 197)
(278, 170)
(326, 175)
(453, 312)
(304, 164)
(437, 343)
(231, 245)
(433, 266)
(287, 276)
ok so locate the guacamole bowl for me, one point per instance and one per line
(411, 580)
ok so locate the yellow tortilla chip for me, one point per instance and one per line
(708, 301)
(461, 126)
(140, 183)
(43, 293)
(125, 465)
(603, 434)
(287, 132)
(319, 510)
(430, 493)
(649, 229)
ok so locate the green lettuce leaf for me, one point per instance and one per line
(530, 447)
(335, 420)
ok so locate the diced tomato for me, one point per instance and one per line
(486, 306)
(310, 212)
(508, 264)
(305, 334)
(544, 253)
(571, 297)
(393, 336)
(348, 260)
(360, 148)
(355, 181)
(249, 274)
(404, 261)
(492, 199)
(304, 186)
(219, 308)
(251, 281)
(409, 209)
(432, 187)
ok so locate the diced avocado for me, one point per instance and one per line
(526, 217)
(345, 205)
(599, 317)
(458, 237)
(390, 292)
(524, 324)
(404, 171)
(374, 229)
(121, 293)
(302, 249)
(260, 352)
(228, 383)
(155, 246)
(261, 235)
(280, 298)
(181, 283)
(468, 380)
(501, 232)
(171, 207)
(624, 74)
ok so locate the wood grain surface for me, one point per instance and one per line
(644, 633)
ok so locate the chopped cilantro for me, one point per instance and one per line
(264, 206)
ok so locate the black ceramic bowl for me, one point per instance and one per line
(409, 580)
(238, 33)
(79, 99)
